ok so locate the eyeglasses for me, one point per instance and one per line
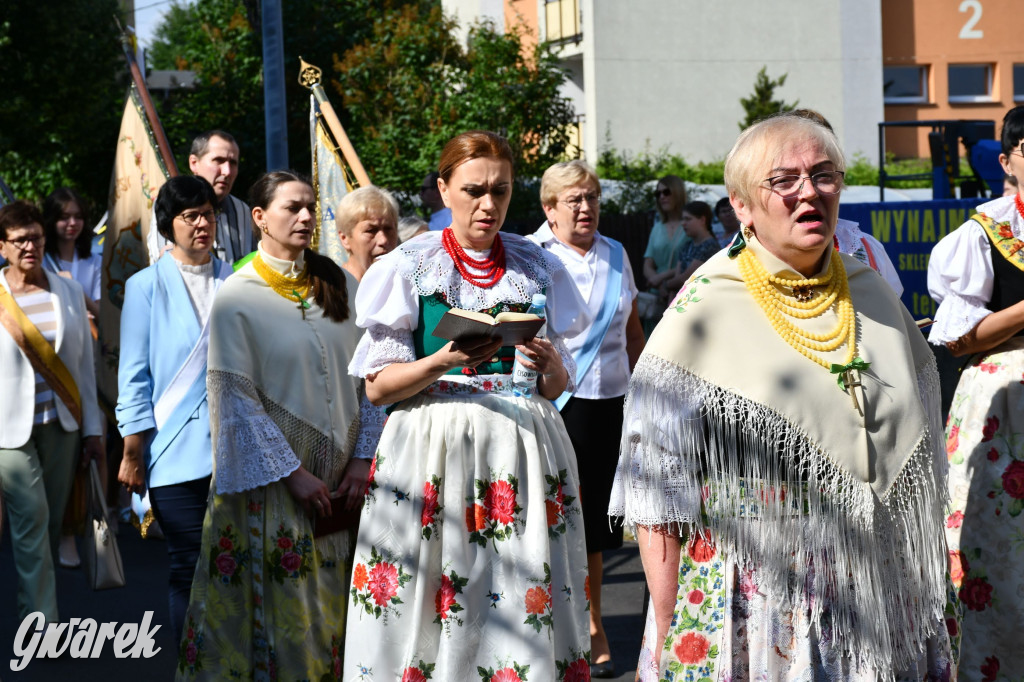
(576, 203)
(824, 182)
(1019, 150)
(662, 193)
(192, 217)
(22, 242)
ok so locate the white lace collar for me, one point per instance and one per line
(425, 264)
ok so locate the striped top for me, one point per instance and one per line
(38, 308)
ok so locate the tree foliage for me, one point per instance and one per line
(760, 103)
(64, 83)
(400, 82)
(410, 86)
(221, 41)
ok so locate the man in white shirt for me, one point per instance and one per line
(605, 354)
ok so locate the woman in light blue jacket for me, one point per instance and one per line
(162, 410)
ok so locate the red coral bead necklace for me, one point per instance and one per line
(493, 266)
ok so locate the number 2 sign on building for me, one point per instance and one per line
(970, 30)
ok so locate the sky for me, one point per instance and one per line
(148, 15)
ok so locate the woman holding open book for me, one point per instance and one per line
(470, 560)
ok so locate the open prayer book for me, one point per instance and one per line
(512, 328)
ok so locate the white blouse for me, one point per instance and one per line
(849, 237)
(608, 376)
(387, 303)
(960, 273)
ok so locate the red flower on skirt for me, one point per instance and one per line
(500, 501)
(990, 428)
(476, 518)
(445, 597)
(692, 648)
(506, 675)
(359, 576)
(537, 600)
(953, 440)
(1013, 480)
(413, 675)
(990, 670)
(976, 594)
(429, 503)
(577, 671)
(383, 582)
(700, 550)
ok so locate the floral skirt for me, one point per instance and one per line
(985, 527)
(268, 601)
(727, 627)
(470, 562)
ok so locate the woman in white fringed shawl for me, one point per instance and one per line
(787, 493)
(268, 598)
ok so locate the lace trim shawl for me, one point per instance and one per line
(689, 441)
(257, 442)
(430, 270)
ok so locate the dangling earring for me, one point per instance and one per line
(747, 232)
(264, 228)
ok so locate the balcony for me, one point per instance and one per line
(562, 22)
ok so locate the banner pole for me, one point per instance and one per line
(309, 76)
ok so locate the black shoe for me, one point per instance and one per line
(604, 670)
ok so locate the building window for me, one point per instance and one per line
(905, 84)
(1018, 82)
(562, 20)
(970, 82)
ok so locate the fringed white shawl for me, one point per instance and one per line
(279, 390)
(729, 428)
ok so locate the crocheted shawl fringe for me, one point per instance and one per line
(317, 452)
(873, 569)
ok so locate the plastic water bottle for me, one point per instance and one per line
(524, 381)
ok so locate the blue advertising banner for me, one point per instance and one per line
(909, 230)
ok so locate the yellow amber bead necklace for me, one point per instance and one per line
(296, 290)
(778, 307)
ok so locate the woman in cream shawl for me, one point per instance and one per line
(786, 491)
(268, 601)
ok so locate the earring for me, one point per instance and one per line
(264, 228)
(747, 232)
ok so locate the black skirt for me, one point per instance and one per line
(595, 428)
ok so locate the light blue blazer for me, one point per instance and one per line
(159, 328)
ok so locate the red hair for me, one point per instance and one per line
(470, 145)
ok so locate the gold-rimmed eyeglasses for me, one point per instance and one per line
(824, 182)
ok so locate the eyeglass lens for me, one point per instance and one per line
(192, 217)
(826, 182)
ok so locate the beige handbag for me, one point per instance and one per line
(100, 556)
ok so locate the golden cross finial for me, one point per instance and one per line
(309, 75)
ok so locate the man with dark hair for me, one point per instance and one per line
(214, 157)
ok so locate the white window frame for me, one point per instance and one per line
(968, 99)
(913, 99)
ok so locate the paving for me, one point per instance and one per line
(145, 564)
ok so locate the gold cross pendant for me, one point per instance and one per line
(851, 378)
